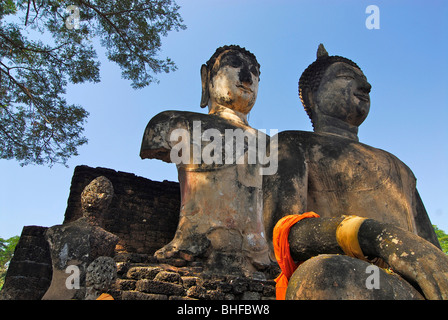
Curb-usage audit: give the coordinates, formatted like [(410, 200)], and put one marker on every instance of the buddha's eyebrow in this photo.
[(345, 70), (232, 60), (237, 59)]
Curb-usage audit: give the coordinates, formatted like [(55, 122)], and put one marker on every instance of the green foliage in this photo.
[(443, 239), (7, 7), (37, 125), (7, 248)]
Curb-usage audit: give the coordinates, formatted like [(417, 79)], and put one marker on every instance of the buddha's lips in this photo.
[(362, 97)]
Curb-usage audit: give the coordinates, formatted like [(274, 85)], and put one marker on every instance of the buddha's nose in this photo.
[(245, 76), (365, 86)]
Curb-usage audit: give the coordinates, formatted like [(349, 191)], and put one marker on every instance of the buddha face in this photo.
[(344, 94), (234, 82)]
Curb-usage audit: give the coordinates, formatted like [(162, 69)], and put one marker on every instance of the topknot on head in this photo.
[(321, 52)]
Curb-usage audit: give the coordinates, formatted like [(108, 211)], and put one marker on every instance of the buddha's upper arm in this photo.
[(161, 133)]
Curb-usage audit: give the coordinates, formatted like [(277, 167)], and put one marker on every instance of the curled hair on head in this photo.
[(209, 64), (312, 76)]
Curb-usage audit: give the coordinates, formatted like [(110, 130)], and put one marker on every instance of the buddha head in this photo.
[(230, 80), (334, 88), (96, 198)]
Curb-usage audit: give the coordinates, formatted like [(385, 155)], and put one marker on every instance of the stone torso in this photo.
[(221, 203), (345, 177)]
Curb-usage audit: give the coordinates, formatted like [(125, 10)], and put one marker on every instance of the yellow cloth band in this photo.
[(347, 236)]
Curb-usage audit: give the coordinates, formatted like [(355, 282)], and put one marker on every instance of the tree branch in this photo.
[(25, 90), (27, 12), (122, 36)]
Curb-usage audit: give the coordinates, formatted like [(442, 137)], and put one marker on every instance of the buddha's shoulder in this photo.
[(190, 120), (177, 115), (326, 142)]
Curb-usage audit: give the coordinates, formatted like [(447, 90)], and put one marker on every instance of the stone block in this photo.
[(196, 292), (190, 281), (126, 284), (250, 295), (138, 273), (135, 295), (29, 272), (166, 276), (159, 287)]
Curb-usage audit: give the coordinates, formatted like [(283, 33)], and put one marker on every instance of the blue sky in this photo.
[(405, 61)]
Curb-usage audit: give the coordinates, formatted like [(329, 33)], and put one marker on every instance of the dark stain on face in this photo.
[(245, 75), (237, 60)]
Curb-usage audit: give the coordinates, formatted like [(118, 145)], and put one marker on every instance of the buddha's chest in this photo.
[(355, 167)]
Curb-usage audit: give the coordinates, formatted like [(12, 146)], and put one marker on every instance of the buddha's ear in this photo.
[(310, 98), (204, 80), (311, 103)]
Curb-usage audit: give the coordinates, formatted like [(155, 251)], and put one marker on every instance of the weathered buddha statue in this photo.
[(366, 198), (329, 171), (220, 219), (75, 248)]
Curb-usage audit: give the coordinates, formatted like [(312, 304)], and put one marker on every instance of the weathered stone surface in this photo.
[(177, 262), (269, 291), (239, 285), (131, 266), (175, 286), (138, 273), (135, 295), (74, 246), (339, 277), (166, 276), (100, 276), (256, 286), (181, 298), (224, 287), (143, 213), (418, 261), (159, 287), (132, 257), (190, 281), (197, 292), (214, 295), (29, 272), (343, 177), (126, 284), (250, 295), (97, 196), (329, 171), (223, 228)]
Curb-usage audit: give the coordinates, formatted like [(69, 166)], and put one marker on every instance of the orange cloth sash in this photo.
[(105, 296), (282, 253)]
